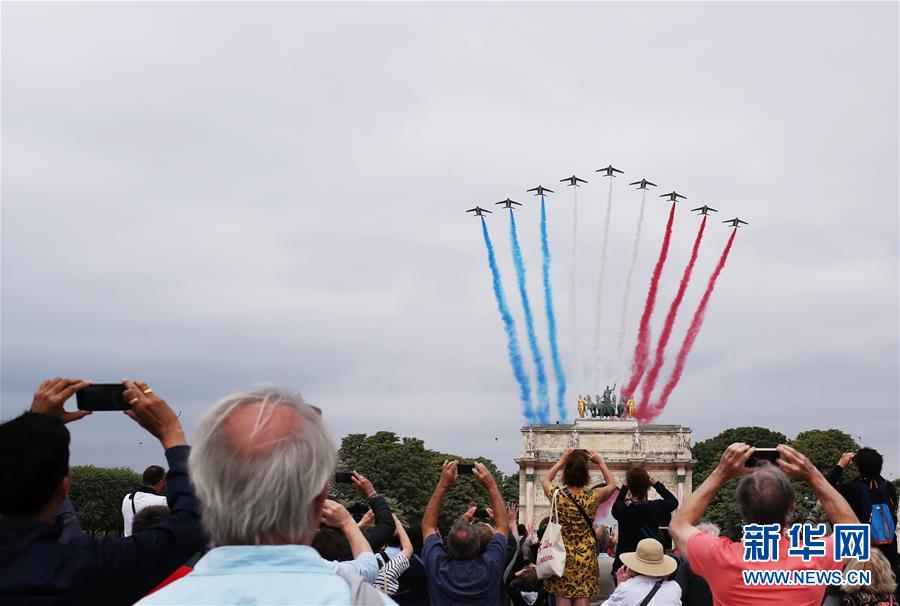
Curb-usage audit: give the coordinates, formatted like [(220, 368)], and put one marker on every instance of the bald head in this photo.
[(255, 429), (261, 464)]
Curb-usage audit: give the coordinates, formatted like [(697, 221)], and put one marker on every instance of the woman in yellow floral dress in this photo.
[(581, 577)]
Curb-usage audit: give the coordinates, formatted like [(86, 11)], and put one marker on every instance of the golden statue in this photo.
[(629, 408), (581, 406)]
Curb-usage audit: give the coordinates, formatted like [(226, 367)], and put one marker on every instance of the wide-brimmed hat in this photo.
[(649, 559)]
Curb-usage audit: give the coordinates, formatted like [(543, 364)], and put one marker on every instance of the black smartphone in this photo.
[(481, 514), (343, 477), (762, 454), (465, 469), (102, 396)]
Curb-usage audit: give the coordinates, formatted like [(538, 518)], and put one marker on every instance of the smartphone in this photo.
[(481, 514), (465, 469), (343, 477), (762, 454), (102, 396)]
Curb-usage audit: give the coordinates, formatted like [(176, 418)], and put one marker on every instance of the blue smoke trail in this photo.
[(543, 406), (512, 344), (551, 324)]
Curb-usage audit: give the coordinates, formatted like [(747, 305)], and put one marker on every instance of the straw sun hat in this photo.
[(649, 559)]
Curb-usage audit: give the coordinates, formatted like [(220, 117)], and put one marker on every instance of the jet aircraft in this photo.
[(573, 180), (642, 184), (608, 171), (508, 203), (673, 196), (735, 222), (704, 210), (479, 212), (540, 189)]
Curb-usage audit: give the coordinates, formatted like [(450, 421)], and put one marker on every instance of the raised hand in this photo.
[(367, 521), (448, 473), (483, 475), (51, 396), (733, 463), (153, 414), (795, 464), (363, 485), (846, 459), (335, 514)]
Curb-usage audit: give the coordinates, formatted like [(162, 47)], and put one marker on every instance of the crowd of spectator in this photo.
[(243, 516)]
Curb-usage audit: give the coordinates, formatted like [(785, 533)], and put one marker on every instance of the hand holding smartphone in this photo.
[(762, 454), (465, 469), (102, 397)]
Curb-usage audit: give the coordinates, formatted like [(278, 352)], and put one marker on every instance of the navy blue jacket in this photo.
[(36, 569)]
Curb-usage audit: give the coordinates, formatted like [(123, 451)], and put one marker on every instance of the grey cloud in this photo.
[(210, 195)]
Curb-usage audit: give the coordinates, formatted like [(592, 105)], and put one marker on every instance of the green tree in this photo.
[(407, 472), (825, 446), (97, 493), (722, 509), (510, 488)]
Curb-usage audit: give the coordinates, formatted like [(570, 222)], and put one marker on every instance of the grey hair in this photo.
[(463, 542), (602, 534), (269, 494), (709, 528), (765, 497)]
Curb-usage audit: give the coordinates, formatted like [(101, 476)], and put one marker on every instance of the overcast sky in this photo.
[(205, 196)]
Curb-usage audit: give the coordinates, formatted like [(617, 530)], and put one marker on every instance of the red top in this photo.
[(720, 562)]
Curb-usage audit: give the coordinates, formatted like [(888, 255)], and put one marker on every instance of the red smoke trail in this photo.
[(653, 374), (691, 336), (642, 348)]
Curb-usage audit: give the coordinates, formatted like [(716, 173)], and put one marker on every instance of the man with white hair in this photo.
[(261, 466)]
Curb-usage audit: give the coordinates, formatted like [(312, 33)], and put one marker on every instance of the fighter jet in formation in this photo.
[(541, 190), (673, 196), (642, 184), (573, 180), (479, 212), (704, 210), (735, 222), (508, 203), (609, 170)]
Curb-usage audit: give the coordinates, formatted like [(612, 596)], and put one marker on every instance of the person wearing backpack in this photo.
[(873, 498)]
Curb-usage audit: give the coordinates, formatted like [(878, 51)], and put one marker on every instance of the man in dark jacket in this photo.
[(34, 481), (870, 487)]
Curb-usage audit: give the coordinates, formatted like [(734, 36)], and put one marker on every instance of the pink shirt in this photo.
[(720, 561)]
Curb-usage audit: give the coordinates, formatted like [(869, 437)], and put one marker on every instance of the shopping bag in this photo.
[(551, 555)]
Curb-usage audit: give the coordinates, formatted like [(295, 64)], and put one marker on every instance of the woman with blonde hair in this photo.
[(576, 506), (880, 592)]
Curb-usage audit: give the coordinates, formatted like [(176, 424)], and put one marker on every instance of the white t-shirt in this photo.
[(635, 589), (141, 500)]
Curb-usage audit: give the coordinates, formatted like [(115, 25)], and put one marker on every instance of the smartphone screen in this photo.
[(343, 477), (481, 514), (762, 454), (100, 396), (465, 469)]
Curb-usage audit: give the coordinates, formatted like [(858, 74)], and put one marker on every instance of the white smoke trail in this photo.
[(573, 305), (598, 316), (634, 254)]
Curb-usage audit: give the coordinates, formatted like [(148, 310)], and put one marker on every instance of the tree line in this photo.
[(405, 472)]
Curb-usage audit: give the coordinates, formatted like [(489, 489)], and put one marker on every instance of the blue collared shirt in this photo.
[(259, 574)]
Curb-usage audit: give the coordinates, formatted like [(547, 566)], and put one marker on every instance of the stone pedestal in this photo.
[(663, 450)]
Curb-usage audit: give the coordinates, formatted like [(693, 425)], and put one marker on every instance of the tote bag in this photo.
[(551, 555)]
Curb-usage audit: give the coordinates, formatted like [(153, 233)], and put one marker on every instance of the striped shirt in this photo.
[(388, 579)]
